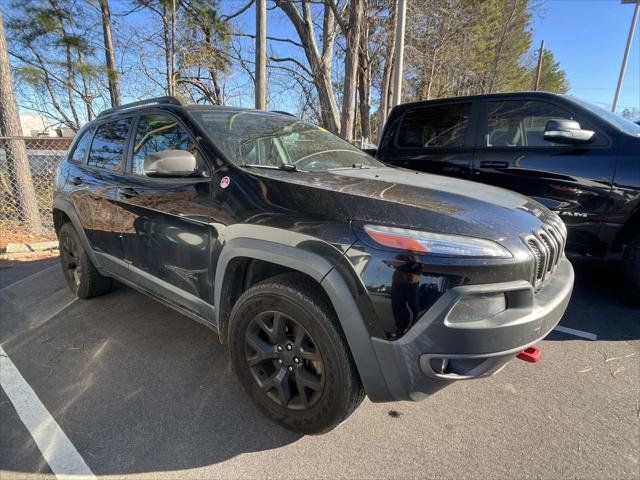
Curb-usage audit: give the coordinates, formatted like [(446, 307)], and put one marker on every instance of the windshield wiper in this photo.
[(284, 166)]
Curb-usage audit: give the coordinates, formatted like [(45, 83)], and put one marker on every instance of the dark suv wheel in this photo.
[(291, 357), (81, 276)]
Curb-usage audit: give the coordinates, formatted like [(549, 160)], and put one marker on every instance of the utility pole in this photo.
[(399, 51), (623, 68), (261, 55), (536, 83), (16, 150)]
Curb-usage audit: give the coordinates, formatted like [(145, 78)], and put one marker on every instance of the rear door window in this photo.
[(107, 148), (438, 126)]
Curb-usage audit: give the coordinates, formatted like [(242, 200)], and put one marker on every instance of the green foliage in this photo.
[(464, 47), (552, 77)]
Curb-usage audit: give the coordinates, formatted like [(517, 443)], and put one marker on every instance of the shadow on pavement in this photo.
[(600, 304), (139, 388), (135, 386)]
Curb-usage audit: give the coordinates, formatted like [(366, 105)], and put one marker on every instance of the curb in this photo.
[(31, 247)]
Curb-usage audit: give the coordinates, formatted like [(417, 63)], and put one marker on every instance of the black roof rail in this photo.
[(282, 112), (166, 99)]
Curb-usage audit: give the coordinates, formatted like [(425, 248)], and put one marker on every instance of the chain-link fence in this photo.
[(27, 168)]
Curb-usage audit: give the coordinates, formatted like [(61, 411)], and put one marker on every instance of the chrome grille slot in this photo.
[(547, 245), (551, 247), (539, 257)]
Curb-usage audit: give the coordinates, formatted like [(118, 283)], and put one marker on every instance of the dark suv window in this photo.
[(82, 147), (107, 148), (157, 132), (437, 126), (521, 123)]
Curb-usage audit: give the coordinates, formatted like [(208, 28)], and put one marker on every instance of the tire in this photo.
[(308, 385), (81, 275), (631, 268)]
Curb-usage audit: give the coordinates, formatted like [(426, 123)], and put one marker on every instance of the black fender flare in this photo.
[(322, 270), (67, 207)]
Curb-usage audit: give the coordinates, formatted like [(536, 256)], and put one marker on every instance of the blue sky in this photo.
[(588, 38)]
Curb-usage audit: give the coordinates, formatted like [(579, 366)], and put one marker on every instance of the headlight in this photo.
[(435, 243)]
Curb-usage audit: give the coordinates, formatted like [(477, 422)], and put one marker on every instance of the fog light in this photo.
[(473, 308)]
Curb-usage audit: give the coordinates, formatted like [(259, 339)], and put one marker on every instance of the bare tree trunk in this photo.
[(17, 159), (364, 81), (109, 54), (432, 73), (173, 47), (166, 38), (261, 55), (303, 23), (354, 32), (364, 93), (386, 73)]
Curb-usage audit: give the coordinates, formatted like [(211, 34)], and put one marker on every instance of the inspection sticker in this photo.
[(224, 183)]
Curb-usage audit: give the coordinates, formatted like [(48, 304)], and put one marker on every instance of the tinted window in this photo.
[(82, 147), (437, 126), (155, 133), (521, 123), (107, 148)]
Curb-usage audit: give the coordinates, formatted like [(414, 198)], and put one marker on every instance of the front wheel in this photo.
[(291, 356), (631, 267)]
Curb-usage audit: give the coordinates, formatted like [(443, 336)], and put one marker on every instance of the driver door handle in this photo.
[(493, 164)]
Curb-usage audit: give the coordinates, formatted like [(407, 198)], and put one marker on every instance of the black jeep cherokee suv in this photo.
[(327, 273), (577, 159)]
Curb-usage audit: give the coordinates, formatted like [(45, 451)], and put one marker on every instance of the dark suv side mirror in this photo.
[(567, 132), (170, 163)]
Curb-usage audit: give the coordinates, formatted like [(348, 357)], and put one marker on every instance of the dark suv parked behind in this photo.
[(573, 157), (327, 273)]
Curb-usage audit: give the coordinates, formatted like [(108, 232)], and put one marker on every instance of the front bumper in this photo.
[(435, 352)]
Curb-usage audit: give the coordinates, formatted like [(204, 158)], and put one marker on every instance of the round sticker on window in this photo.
[(224, 183)]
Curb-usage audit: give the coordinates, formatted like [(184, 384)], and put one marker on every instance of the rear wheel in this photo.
[(291, 357), (81, 275), (631, 267)]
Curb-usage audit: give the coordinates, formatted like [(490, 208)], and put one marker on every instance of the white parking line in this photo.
[(576, 333), (18, 282), (56, 448)]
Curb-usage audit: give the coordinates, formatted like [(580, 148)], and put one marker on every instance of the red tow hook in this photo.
[(531, 355)]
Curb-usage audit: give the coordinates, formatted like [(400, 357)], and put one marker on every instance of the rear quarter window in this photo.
[(81, 148)]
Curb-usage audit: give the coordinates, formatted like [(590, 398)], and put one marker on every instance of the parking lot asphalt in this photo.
[(141, 391)]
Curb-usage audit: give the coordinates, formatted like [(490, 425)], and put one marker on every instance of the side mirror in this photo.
[(170, 163), (567, 132)]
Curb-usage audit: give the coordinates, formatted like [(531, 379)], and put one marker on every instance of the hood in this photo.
[(406, 198)]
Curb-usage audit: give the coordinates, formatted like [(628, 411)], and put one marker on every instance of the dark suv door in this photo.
[(94, 186), (167, 241), (434, 138), (574, 180)]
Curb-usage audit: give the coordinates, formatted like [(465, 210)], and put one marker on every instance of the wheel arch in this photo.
[(228, 276), (628, 230), (64, 211)]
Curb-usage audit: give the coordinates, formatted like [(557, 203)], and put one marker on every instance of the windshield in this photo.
[(267, 140), (618, 121)]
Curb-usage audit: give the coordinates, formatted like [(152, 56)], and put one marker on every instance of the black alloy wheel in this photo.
[(291, 356), (81, 275), (70, 258), (284, 360)]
